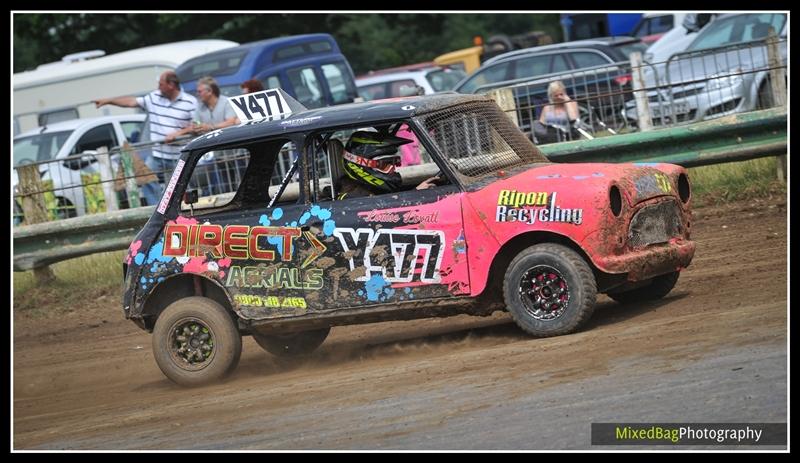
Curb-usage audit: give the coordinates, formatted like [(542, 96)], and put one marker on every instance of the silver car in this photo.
[(723, 71)]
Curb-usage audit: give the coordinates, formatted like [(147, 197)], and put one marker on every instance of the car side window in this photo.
[(95, 138), (560, 64), (132, 131), (306, 86), (412, 163), (490, 75), (532, 66), (372, 92), (405, 87), (337, 82), (587, 59)]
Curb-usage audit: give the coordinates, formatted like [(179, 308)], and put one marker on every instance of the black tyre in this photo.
[(659, 287), (549, 290), (195, 341), (293, 344)]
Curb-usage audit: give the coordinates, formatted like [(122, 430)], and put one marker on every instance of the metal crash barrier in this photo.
[(732, 138)]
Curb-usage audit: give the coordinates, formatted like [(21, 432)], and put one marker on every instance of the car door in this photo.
[(258, 248), (388, 248)]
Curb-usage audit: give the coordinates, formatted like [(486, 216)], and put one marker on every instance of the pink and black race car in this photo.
[(390, 210)]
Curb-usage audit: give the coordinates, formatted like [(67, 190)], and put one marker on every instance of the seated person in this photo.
[(368, 165)]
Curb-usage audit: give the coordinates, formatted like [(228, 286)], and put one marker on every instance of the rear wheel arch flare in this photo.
[(515, 245)]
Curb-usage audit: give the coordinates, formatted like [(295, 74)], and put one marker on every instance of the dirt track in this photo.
[(714, 350)]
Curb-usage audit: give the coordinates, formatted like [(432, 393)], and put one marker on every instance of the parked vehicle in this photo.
[(469, 59), (64, 90), (418, 79), (678, 38), (583, 26), (653, 26), (725, 70), (309, 67), (601, 91), (502, 229), (64, 143)]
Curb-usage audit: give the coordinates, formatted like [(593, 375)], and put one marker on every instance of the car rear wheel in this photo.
[(292, 344), (195, 341), (549, 290), (659, 287)]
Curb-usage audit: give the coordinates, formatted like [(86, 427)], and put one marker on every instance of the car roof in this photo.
[(365, 113), (74, 124), (589, 43), (388, 75)]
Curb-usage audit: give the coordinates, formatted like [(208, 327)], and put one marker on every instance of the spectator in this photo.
[(561, 111), (252, 86), (169, 109), (214, 111)]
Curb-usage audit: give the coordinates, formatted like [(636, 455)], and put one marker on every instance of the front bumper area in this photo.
[(651, 261)]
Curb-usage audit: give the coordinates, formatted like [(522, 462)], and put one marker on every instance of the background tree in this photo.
[(370, 41)]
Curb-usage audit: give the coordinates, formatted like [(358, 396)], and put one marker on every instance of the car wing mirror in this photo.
[(77, 163), (191, 197)]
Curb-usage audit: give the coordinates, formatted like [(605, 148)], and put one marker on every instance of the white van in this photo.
[(65, 89), (63, 139)]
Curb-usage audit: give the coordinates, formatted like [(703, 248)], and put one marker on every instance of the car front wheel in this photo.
[(195, 341), (549, 290)]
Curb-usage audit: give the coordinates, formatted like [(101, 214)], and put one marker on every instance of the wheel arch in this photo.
[(514, 246), (178, 287)]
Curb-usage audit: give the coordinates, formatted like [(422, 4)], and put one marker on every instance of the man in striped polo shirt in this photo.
[(169, 109)]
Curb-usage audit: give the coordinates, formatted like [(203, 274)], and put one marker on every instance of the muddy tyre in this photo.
[(292, 345), (659, 287), (196, 342), (549, 290)]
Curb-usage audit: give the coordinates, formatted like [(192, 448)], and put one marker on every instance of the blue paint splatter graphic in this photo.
[(304, 218), (139, 258), (264, 220), (328, 227), (378, 288), (157, 253), (277, 213)]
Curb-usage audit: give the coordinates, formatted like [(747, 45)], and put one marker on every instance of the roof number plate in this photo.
[(268, 104)]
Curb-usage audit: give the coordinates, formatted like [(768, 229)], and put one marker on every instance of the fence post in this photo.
[(777, 80), (504, 97), (639, 94), (107, 178), (34, 210), (131, 188)]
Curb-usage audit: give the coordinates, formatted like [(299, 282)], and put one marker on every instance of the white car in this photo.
[(50, 144), (407, 80)]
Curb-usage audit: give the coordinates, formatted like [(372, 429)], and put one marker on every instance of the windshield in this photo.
[(735, 29), (41, 147), (444, 79), (478, 139)]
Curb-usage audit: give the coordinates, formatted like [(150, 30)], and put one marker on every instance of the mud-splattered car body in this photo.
[(317, 262)]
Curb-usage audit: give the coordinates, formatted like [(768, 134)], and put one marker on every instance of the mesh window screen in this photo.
[(479, 139)]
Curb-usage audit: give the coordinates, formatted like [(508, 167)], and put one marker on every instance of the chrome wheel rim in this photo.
[(544, 292)]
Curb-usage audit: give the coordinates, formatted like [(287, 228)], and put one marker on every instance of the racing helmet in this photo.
[(370, 158)]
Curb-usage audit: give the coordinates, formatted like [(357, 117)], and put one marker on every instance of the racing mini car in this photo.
[(391, 210)]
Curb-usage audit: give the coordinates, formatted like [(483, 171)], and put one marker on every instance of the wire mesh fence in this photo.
[(689, 87)]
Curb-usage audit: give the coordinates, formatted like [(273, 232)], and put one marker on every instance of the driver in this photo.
[(369, 163)]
